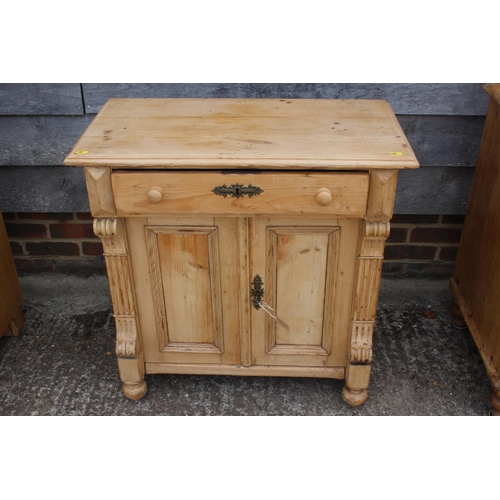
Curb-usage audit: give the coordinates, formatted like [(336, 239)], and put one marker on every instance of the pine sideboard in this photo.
[(11, 297), (243, 236), (475, 285)]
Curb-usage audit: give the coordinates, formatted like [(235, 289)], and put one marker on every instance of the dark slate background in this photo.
[(39, 124)]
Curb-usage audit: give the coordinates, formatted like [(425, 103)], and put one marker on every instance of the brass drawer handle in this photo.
[(237, 190)]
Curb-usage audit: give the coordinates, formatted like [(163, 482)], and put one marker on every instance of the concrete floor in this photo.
[(63, 363)]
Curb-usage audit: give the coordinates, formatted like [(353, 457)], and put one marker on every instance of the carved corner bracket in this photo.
[(374, 239), (361, 342), (126, 336), (112, 234), (105, 227)]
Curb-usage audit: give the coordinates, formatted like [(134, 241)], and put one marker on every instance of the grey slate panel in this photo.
[(428, 190), (436, 140), (41, 99), (43, 189), (444, 140), (433, 190), (405, 98), (39, 140)]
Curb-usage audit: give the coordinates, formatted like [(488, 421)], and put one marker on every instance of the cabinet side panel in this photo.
[(477, 269)]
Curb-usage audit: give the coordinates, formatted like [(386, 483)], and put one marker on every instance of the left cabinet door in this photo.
[(187, 287)]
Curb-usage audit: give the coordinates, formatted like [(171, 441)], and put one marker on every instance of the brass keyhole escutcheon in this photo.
[(257, 291), (237, 190)]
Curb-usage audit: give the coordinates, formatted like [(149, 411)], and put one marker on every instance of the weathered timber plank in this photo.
[(41, 99), (428, 190), (438, 190), (405, 98), (436, 140), (40, 140), (43, 189), (444, 140)]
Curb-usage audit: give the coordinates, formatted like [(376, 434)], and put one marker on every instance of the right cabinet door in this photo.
[(308, 269)]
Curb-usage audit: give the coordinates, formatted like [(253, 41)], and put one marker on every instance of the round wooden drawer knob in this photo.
[(324, 197), (155, 194)]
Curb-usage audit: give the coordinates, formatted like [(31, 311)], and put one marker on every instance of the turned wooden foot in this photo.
[(132, 376), (495, 402), (354, 397), (135, 391), (458, 318)]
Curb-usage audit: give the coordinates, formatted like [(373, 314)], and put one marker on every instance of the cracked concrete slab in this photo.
[(63, 363)]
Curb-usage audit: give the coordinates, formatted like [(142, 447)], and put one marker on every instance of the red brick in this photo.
[(72, 231), (409, 252), (415, 219), (16, 248), (397, 235), (8, 215), (92, 248), (46, 216), (52, 248), (26, 230), (435, 235), (448, 254), (453, 219), (84, 215)]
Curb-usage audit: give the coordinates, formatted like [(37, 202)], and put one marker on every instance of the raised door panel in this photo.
[(183, 264), (185, 290), (300, 264)]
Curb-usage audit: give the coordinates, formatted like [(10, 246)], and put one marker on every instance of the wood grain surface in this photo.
[(282, 193), (477, 268), (251, 133), (308, 270)]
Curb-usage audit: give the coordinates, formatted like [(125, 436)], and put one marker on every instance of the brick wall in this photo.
[(418, 244), (423, 244), (54, 242)]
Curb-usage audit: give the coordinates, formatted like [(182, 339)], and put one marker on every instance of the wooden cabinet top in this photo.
[(278, 134)]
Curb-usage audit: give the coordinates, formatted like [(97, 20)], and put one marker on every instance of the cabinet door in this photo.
[(308, 267), (186, 274)]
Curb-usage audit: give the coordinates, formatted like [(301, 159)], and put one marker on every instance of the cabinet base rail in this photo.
[(335, 372)]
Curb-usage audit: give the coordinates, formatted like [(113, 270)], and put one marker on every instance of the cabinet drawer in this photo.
[(202, 192)]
